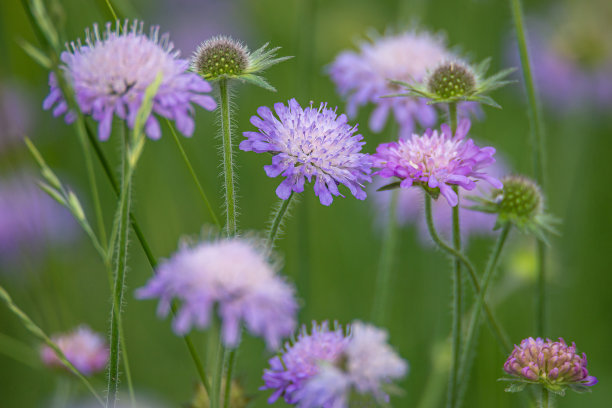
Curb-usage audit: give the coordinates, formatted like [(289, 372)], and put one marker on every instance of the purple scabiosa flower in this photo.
[(437, 160), (232, 275), (329, 367), (552, 364), (83, 348), (364, 77), (111, 72), (309, 143)]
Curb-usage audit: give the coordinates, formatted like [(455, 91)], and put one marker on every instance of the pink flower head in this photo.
[(437, 160), (83, 348)]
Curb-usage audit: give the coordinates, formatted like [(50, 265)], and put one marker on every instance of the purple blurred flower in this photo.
[(110, 74), (15, 117), (555, 365), (310, 143), (29, 219), (233, 275), (437, 161), (323, 368), (84, 348), (363, 77)]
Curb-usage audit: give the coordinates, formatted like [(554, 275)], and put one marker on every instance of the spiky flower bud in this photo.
[(452, 79), (222, 57), (553, 365)]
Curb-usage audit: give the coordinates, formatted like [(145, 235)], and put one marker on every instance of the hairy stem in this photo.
[(537, 133), (278, 219), (502, 338), (470, 339), (228, 164), (385, 264)]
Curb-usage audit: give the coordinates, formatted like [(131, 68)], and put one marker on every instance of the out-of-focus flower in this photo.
[(237, 399), (310, 143), (83, 348), (435, 161), (232, 275), (553, 365), (15, 118), (110, 74), (571, 56), (30, 221), (224, 57), (329, 367)]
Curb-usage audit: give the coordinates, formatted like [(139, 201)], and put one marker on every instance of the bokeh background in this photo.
[(331, 253)]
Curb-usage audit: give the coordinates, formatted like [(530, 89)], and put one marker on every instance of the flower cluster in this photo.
[(322, 368), (364, 77), (554, 365), (111, 72), (233, 275), (437, 160), (83, 348), (310, 143)]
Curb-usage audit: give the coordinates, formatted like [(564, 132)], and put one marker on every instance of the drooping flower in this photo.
[(436, 161), (554, 365), (83, 348), (111, 72), (328, 368), (364, 76), (310, 143), (232, 275), (224, 57)]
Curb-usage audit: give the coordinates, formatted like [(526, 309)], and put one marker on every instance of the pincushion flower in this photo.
[(554, 365), (83, 348), (322, 369), (364, 76), (110, 73), (310, 143), (437, 161), (232, 276)]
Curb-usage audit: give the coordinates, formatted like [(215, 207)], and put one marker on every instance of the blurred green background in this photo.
[(330, 252)]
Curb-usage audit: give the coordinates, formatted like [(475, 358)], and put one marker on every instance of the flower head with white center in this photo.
[(232, 274), (364, 77), (111, 72), (83, 348), (324, 368), (437, 160), (310, 143), (552, 364)]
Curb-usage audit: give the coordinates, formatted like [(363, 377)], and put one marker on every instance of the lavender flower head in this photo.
[(310, 143), (233, 275), (363, 77), (323, 368), (83, 348), (554, 365), (111, 72), (437, 160)]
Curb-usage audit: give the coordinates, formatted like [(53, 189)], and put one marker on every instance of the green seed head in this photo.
[(220, 57), (450, 80), (520, 197)]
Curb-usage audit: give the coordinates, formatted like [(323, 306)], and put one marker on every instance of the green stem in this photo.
[(277, 221), (456, 309), (545, 398), (452, 116), (193, 174), (537, 133), (496, 329), (470, 339), (215, 396), (228, 378), (228, 166), (120, 271), (383, 278)]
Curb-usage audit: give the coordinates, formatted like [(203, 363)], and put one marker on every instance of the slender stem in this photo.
[(385, 264), (456, 309), (228, 166), (193, 174), (277, 221), (545, 398), (496, 329), (228, 378), (452, 116), (215, 396), (196, 359), (470, 338), (120, 271), (539, 158)]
